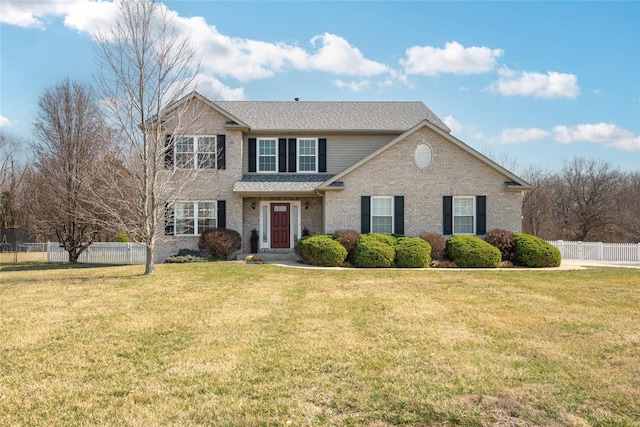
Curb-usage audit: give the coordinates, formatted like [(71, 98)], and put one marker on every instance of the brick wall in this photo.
[(207, 185), (452, 172)]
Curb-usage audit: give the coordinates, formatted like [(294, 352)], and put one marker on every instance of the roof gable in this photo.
[(514, 183)]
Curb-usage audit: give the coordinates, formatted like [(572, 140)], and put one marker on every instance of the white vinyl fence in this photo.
[(101, 253), (598, 251)]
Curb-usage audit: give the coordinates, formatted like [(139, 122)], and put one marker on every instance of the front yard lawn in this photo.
[(234, 344)]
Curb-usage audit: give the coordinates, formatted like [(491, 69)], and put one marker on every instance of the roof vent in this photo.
[(296, 99)]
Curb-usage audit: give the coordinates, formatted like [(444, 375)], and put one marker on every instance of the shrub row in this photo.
[(500, 249)]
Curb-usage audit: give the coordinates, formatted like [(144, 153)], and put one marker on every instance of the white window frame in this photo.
[(258, 155), (298, 155), (196, 151), (454, 216), (390, 198), (195, 218)]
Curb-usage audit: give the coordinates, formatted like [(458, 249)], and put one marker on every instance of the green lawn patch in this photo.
[(234, 344)]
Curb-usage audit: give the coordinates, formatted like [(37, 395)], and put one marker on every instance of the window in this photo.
[(463, 215), (196, 152), (382, 215), (207, 152), (193, 217), (307, 155), (267, 155), (184, 153)]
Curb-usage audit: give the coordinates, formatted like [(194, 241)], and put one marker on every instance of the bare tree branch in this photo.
[(144, 67)]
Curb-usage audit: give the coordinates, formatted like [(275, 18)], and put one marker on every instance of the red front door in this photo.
[(280, 231)]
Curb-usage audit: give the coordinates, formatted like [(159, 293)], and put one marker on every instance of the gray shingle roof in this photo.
[(338, 115), (276, 183)]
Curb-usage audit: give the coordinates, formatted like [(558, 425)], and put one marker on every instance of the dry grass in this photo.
[(235, 344)]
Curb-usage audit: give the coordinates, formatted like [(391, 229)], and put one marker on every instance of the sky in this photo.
[(531, 84)]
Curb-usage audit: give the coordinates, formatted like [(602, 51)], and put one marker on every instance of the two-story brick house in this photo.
[(282, 167)]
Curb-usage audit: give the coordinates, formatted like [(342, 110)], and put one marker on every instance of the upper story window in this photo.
[(267, 155), (463, 215), (382, 215), (307, 155), (196, 152)]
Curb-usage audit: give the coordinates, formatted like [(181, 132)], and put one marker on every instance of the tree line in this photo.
[(586, 200)]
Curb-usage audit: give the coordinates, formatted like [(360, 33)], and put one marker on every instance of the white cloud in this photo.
[(4, 122), (352, 86), (221, 55), (82, 15), (215, 90), (454, 59), (518, 135), (337, 56), (453, 124), (606, 134), (525, 83)]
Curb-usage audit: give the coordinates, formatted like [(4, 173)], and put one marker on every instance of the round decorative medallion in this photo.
[(422, 156)]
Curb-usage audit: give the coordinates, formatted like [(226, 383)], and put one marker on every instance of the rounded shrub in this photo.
[(472, 252), (219, 242), (531, 251), (373, 252), (503, 240), (387, 239), (413, 252), (321, 250), (438, 244)]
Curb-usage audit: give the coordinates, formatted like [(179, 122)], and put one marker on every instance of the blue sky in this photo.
[(535, 82)]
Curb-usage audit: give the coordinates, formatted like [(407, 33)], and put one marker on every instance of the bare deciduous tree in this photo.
[(11, 175), (537, 217), (586, 200), (144, 66), (72, 142), (584, 197)]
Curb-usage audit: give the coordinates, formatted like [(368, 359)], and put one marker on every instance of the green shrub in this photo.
[(531, 251), (122, 237), (413, 252), (438, 244), (219, 242), (181, 259), (192, 252), (387, 239), (348, 239), (472, 252), (373, 252), (322, 250), (503, 240)]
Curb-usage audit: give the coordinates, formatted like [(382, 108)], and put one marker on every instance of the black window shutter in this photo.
[(398, 213), (222, 214), (222, 151), (252, 154), (282, 155), (481, 214), (292, 154), (168, 152), (447, 215), (168, 219), (322, 155), (365, 214)]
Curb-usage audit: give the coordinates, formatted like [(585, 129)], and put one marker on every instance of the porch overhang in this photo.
[(278, 185)]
